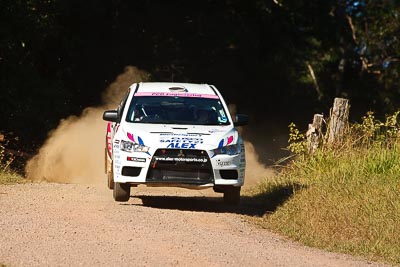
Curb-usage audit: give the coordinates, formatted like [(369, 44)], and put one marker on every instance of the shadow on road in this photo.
[(251, 205)]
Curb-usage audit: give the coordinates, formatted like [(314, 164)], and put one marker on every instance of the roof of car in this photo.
[(162, 87)]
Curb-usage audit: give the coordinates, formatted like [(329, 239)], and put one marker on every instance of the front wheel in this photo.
[(122, 192), (232, 195), (110, 180)]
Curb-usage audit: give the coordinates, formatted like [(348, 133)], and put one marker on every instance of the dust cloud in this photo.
[(74, 152), (255, 171)]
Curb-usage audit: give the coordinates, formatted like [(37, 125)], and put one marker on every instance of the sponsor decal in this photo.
[(137, 140), (132, 138), (180, 159), (182, 94), (221, 143), (108, 138), (215, 130), (225, 141), (223, 163), (181, 145), (230, 139), (222, 118), (136, 159), (180, 134), (181, 140)]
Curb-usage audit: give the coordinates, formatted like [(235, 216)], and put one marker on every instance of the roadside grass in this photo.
[(10, 177), (344, 198), (7, 175)]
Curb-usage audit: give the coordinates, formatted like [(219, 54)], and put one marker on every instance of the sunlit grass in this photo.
[(343, 199), (10, 177), (7, 175)]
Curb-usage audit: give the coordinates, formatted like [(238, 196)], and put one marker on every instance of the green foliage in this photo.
[(376, 48), (372, 131), (69, 51), (4, 160), (7, 175), (297, 140), (385, 162), (29, 24), (10, 177), (343, 198), (34, 95)]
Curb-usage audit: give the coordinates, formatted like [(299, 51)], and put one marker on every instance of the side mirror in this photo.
[(241, 120), (111, 115)]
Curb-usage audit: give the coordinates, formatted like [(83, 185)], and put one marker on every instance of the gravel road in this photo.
[(52, 224)]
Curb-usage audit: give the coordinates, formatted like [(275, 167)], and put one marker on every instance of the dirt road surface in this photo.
[(51, 224)]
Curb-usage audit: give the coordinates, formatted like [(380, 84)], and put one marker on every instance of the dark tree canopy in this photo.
[(278, 60)]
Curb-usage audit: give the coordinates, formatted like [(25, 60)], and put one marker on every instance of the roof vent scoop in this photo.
[(178, 89)]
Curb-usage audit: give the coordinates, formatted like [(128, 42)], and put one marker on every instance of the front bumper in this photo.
[(179, 167)]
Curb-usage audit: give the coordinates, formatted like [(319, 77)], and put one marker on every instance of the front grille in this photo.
[(229, 174), (186, 166), (131, 171)]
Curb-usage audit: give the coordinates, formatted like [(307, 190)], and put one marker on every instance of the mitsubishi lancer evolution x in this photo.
[(174, 134)]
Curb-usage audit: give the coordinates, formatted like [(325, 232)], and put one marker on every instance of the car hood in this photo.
[(179, 136)]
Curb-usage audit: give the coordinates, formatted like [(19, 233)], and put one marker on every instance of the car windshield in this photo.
[(177, 110)]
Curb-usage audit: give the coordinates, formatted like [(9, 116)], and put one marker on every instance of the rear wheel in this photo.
[(122, 192), (232, 195)]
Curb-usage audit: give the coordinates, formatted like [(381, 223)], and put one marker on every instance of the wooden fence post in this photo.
[(338, 120), (314, 133)]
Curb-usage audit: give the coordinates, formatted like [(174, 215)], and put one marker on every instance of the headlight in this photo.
[(129, 146), (228, 150)]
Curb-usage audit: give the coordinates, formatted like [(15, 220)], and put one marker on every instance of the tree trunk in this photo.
[(338, 120), (314, 133)]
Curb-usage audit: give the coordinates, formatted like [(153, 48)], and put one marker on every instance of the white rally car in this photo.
[(174, 134)]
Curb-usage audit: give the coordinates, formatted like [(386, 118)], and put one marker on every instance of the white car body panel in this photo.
[(182, 139)]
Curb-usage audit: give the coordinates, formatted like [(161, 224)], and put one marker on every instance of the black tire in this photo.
[(122, 192), (110, 180), (232, 195), (218, 189)]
